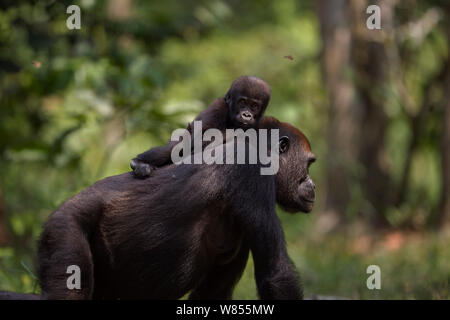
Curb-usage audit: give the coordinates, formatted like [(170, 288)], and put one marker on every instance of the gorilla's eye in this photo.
[(284, 144)]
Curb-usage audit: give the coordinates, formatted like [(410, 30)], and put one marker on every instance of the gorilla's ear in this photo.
[(228, 98), (284, 144)]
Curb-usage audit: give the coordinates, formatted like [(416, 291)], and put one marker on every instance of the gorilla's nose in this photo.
[(247, 116), (313, 185)]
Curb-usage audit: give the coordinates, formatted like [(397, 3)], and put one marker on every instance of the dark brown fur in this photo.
[(187, 228), (242, 107)]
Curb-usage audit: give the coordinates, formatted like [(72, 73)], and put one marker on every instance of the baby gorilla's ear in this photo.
[(228, 98)]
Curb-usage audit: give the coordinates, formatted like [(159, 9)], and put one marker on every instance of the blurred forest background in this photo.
[(77, 105)]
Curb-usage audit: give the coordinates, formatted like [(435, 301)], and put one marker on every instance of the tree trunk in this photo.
[(445, 200), (444, 214), (5, 235), (342, 126), (371, 76)]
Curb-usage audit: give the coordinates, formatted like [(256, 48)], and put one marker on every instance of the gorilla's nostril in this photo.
[(246, 115)]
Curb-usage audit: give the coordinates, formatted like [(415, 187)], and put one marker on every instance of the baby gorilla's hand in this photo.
[(140, 169)]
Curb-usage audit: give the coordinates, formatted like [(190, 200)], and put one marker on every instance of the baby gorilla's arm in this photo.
[(145, 162), (215, 116)]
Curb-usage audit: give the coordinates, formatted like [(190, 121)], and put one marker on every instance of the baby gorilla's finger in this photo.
[(133, 163), (142, 170)]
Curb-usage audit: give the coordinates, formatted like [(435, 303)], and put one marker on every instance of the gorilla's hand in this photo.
[(141, 169)]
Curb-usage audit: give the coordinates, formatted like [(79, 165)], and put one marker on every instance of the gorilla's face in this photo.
[(247, 100), (295, 188)]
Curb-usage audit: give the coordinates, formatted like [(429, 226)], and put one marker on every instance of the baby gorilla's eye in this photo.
[(254, 108)]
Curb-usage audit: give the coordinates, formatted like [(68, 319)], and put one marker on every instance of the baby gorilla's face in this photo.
[(247, 100), (247, 112)]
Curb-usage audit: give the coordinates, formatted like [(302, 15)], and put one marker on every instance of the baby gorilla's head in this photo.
[(247, 100)]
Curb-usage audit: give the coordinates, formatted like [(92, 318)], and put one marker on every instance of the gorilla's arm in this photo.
[(275, 274), (155, 157), (254, 208)]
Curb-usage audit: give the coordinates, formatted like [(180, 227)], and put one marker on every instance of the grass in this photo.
[(413, 266)]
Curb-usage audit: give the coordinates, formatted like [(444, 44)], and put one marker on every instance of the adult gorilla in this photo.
[(186, 228)]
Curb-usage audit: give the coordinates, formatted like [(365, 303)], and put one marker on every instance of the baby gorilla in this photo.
[(242, 107)]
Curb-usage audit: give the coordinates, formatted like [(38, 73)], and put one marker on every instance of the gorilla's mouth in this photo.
[(303, 204), (245, 124), (308, 204), (307, 200)]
